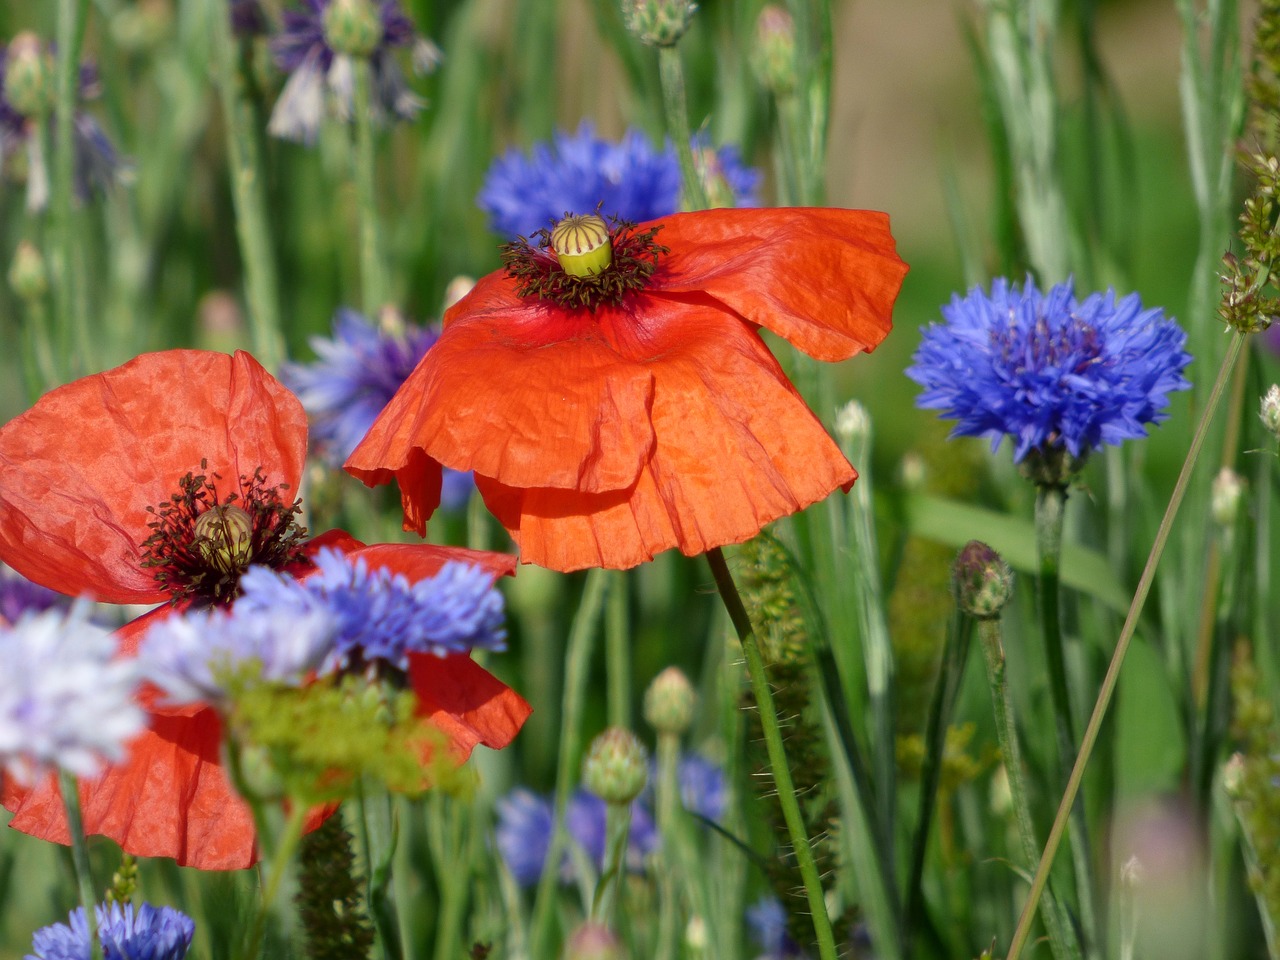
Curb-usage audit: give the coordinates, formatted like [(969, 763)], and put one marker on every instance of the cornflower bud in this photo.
[(658, 23), (983, 581), (669, 702), (774, 57), (594, 941), (852, 423), (617, 766), (353, 27), (1270, 412), (28, 76), (27, 275)]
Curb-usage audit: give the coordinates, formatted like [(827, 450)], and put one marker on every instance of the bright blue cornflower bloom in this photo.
[(354, 376), (523, 833), (381, 616), (575, 173), (1049, 371), (144, 933), (193, 656), (318, 74)]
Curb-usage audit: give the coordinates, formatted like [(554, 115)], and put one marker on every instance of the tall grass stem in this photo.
[(80, 858)]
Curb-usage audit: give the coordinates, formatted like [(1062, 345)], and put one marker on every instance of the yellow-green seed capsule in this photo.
[(774, 56), (582, 245), (224, 537)]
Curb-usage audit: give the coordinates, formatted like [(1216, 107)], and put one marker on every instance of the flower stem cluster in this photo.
[(539, 273)]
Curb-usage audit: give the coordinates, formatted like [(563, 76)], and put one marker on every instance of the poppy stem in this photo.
[(671, 74), (1122, 646), (617, 639), (777, 753), (372, 276), (247, 184), (80, 857)]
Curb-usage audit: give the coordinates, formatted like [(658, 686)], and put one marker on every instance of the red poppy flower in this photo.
[(98, 483), (612, 417)]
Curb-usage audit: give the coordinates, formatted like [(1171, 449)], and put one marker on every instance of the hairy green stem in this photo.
[(777, 754), (248, 195), (80, 857), (576, 668), (373, 280), (278, 867), (1122, 647), (671, 73), (1011, 752)]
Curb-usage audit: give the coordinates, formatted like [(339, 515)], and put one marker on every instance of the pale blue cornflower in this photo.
[(320, 76), (194, 656), (381, 616), (767, 924), (126, 933), (1047, 371), (576, 173), (65, 703)]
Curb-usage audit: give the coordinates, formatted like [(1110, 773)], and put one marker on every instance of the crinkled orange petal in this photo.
[(736, 449), (171, 796), (823, 278), (81, 467), (518, 390)]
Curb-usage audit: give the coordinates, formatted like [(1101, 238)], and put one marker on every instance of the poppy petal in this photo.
[(83, 465), (824, 279), (468, 703), (170, 798), (736, 449), (481, 401)]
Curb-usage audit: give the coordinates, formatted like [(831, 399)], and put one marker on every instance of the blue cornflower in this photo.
[(65, 701), (767, 924), (145, 933), (523, 833), (1049, 372), (18, 595), (702, 787), (26, 89), (575, 173), (318, 71), (193, 656), (355, 375), (381, 616)]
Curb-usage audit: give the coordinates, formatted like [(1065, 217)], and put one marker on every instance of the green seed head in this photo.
[(1270, 411), (658, 23), (774, 56), (27, 275)]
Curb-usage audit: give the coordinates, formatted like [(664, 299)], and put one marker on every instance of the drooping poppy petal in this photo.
[(824, 279), (617, 425), (82, 466)]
